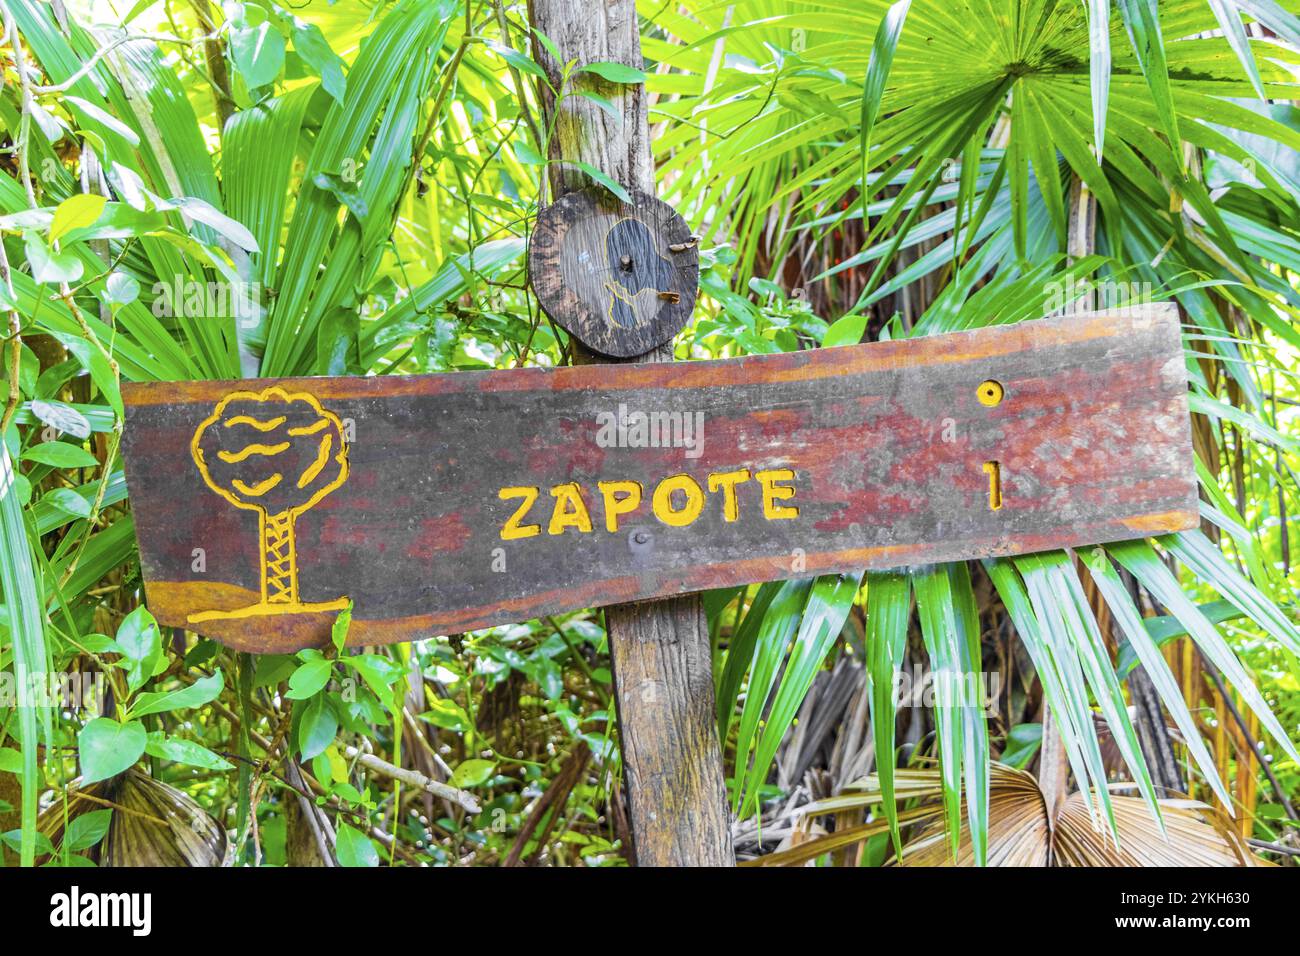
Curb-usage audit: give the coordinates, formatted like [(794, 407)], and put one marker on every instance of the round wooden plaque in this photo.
[(620, 278)]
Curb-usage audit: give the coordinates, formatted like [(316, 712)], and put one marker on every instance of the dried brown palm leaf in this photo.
[(810, 850), (153, 823), (1198, 835), (1020, 833)]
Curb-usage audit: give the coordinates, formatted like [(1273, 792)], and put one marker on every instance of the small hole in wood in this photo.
[(990, 393)]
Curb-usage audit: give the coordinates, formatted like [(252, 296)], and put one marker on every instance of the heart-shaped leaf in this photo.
[(107, 748)]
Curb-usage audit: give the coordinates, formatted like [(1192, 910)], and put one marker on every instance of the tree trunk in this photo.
[(660, 650), (306, 841), (279, 560)]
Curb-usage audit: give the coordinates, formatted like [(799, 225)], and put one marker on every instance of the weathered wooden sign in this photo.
[(443, 503), (621, 277)]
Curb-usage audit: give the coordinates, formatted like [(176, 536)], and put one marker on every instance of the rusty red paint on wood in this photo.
[(886, 444)]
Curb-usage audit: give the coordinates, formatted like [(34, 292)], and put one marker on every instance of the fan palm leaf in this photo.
[(1021, 832)]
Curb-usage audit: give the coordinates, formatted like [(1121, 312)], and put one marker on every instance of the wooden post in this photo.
[(660, 650)]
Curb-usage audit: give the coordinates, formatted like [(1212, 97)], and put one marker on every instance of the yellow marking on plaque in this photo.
[(990, 393), (234, 457), (619, 292), (257, 490), (279, 552), (614, 506), (773, 493), (322, 457), (308, 429), (727, 481), (513, 530), (662, 502), (260, 610), (677, 501), (570, 509), (994, 471), (257, 423)]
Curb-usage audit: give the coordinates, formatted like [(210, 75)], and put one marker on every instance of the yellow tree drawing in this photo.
[(276, 453)]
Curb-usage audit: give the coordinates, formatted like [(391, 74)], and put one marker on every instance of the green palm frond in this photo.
[(26, 645)]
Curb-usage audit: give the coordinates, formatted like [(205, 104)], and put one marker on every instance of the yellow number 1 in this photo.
[(994, 471)]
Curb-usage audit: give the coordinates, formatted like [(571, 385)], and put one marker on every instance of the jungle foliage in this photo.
[(190, 191)]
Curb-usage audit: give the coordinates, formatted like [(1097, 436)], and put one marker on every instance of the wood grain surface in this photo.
[(620, 277), (818, 461), (660, 650)]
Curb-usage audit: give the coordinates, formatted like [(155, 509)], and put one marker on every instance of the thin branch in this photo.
[(105, 50), (518, 80), (413, 778), (1273, 847)]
